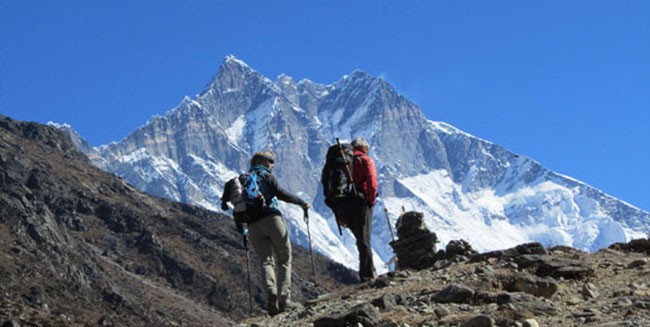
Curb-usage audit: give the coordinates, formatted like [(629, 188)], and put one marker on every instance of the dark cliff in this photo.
[(79, 246)]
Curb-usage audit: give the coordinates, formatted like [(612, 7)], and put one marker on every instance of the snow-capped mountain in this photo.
[(467, 187)]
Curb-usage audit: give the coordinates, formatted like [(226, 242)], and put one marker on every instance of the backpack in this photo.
[(233, 193), (252, 195), (337, 185)]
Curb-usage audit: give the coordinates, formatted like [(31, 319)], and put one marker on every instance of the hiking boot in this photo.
[(272, 305), (371, 278), (285, 304), (368, 279)]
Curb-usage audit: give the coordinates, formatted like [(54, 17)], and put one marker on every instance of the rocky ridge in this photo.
[(527, 285), (81, 247)]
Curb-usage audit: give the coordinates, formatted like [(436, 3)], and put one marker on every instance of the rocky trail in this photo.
[(523, 286)]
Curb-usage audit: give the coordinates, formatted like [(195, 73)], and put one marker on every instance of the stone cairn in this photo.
[(416, 246)]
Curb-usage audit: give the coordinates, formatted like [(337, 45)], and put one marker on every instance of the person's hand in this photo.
[(224, 205), (340, 221), (306, 206), (242, 228)]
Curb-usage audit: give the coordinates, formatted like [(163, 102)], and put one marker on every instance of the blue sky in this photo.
[(566, 83)]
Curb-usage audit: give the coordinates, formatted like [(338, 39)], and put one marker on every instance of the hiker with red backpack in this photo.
[(262, 221), (350, 186)]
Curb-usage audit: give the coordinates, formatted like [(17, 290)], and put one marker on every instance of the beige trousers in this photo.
[(270, 240)]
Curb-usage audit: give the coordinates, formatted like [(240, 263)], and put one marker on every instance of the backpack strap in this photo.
[(263, 182)]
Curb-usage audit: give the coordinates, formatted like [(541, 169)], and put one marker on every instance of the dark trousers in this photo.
[(358, 218)]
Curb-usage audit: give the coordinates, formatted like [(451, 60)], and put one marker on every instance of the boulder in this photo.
[(365, 314), (454, 293)]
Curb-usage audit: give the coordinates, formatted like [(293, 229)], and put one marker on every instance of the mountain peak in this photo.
[(232, 74), (356, 75), (232, 64), (283, 78), (231, 60), (359, 78)]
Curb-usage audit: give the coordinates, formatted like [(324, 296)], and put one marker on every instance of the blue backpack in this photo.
[(253, 196)]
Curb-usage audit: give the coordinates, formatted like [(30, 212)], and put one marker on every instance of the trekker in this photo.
[(270, 237), (357, 213)]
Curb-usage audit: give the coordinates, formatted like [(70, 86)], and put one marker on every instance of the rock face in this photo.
[(79, 246), (508, 289)]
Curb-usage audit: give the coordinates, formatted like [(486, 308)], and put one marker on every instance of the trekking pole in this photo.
[(248, 273), (338, 224), (392, 236), (390, 227), (311, 253)]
